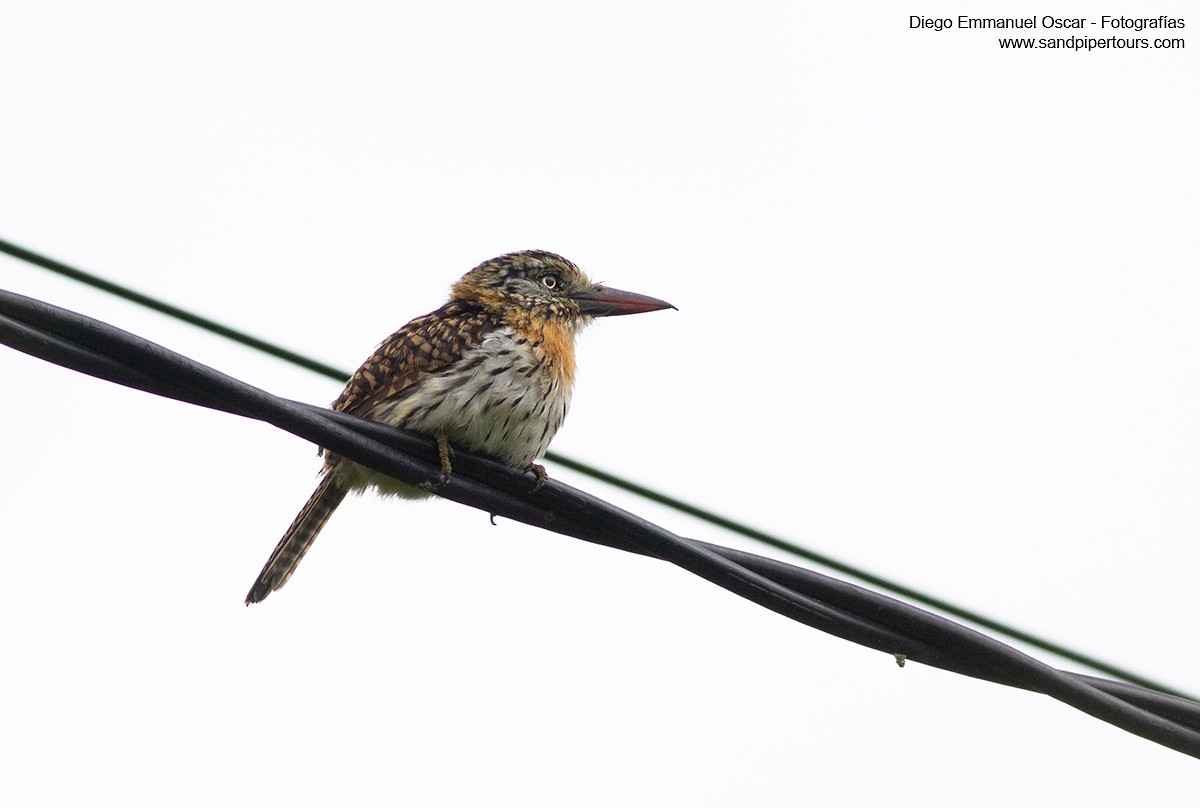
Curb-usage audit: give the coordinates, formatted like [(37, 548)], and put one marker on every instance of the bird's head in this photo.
[(539, 284)]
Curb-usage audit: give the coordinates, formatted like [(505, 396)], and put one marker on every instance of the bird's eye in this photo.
[(550, 281)]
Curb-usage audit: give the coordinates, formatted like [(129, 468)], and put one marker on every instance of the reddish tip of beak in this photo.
[(603, 301)]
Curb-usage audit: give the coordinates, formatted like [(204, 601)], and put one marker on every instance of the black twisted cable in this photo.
[(791, 547), (833, 606)]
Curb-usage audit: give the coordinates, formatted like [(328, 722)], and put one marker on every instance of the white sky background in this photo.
[(937, 317)]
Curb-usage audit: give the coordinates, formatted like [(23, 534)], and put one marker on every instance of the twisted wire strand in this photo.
[(827, 604), (724, 522)]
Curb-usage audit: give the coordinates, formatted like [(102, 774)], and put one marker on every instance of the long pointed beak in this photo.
[(603, 301)]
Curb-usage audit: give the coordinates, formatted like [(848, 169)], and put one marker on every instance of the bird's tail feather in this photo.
[(299, 537)]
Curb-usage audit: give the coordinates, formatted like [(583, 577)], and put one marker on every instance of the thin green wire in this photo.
[(186, 316), (611, 479)]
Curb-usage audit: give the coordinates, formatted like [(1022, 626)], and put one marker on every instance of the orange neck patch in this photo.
[(556, 339)]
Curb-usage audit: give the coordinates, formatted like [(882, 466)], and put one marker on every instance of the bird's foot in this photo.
[(539, 471), (444, 455)]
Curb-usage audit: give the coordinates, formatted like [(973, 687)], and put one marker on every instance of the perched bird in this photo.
[(491, 372)]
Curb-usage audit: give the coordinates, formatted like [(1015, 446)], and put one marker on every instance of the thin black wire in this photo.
[(830, 605), (711, 517)]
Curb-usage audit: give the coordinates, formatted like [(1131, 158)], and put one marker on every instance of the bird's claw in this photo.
[(539, 471), (445, 452), (436, 484)]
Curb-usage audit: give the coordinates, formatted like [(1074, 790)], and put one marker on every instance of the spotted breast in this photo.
[(506, 397)]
